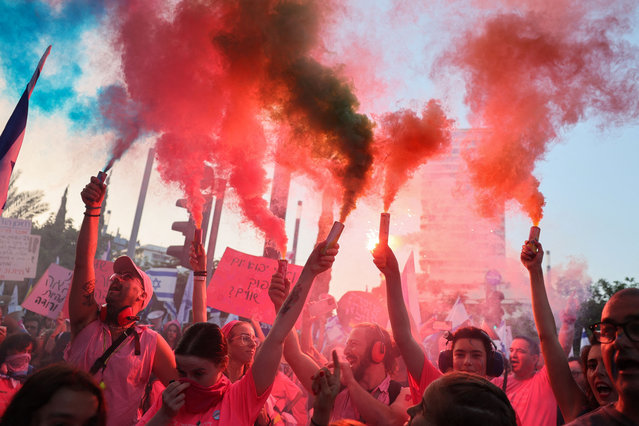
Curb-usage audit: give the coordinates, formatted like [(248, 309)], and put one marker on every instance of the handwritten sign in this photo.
[(359, 306), (50, 292), (103, 271), (240, 285), (18, 249)]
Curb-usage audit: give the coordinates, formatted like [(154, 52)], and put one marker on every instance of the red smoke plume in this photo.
[(407, 140), (206, 75), (528, 78)]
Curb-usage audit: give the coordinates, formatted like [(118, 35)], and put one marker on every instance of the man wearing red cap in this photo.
[(106, 340)]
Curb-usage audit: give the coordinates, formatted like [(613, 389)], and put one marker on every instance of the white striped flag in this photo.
[(458, 315), (163, 281), (187, 301), (13, 134), (170, 309)]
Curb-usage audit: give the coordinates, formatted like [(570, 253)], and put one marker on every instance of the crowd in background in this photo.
[(103, 366)]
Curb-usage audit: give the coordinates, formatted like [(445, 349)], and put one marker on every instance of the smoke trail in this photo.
[(122, 115), (186, 93), (526, 80), (316, 98), (407, 141)]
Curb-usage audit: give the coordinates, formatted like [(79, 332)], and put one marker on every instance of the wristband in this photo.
[(199, 278), (92, 207), (200, 273), (91, 215)]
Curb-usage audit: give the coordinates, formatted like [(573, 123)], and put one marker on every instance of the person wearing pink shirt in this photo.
[(369, 393), (472, 349), (135, 351), (204, 396)]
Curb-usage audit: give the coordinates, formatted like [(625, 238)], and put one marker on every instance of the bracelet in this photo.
[(91, 215), (199, 278), (200, 273), (92, 208)]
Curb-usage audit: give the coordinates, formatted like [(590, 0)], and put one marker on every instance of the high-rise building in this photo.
[(459, 249)]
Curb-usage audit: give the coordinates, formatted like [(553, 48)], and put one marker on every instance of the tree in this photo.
[(58, 239), (23, 204)]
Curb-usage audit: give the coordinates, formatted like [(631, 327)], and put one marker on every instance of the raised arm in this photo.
[(302, 364), (82, 306), (569, 396), (409, 348), (198, 263), (268, 357)]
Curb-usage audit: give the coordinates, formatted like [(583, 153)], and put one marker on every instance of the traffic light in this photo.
[(188, 230)]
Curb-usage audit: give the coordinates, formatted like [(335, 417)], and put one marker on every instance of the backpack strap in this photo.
[(100, 363)]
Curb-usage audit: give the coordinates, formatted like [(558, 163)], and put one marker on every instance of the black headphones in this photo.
[(494, 358)]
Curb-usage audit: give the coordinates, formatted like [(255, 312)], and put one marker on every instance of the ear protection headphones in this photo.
[(378, 348), (125, 316), (494, 358)]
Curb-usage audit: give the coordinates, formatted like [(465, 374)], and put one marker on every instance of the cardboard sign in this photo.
[(359, 306), (240, 285), (103, 271), (50, 292), (18, 249)]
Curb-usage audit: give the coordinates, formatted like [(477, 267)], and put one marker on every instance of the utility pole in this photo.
[(215, 225), (138, 211)]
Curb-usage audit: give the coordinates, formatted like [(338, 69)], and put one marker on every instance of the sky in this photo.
[(394, 55)]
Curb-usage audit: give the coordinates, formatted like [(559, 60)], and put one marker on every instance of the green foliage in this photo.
[(23, 204), (56, 242), (590, 309)]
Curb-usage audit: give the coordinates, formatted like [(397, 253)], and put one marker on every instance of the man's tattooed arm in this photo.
[(88, 293)]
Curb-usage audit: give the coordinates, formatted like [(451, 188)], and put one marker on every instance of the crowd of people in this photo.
[(103, 367)]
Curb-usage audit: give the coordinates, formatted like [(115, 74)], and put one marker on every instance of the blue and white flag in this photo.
[(584, 339), (458, 315), (13, 134), (187, 301), (170, 310), (163, 281)]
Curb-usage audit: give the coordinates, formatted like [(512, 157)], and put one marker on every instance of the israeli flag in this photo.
[(163, 280)]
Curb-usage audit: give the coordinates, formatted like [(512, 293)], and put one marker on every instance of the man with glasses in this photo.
[(106, 341), (618, 333)]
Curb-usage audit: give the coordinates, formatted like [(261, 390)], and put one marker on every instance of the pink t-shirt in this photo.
[(429, 374), (285, 391), (344, 408), (240, 406), (532, 399), (125, 375)]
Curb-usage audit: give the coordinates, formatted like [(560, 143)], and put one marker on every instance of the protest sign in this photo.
[(103, 271), (18, 249), (240, 285), (50, 292), (359, 306)]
